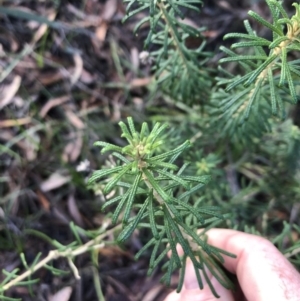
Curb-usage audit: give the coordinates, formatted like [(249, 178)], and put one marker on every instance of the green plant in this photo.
[(70, 252), (242, 121), (149, 181), (269, 74), (242, 105), (179, 69)]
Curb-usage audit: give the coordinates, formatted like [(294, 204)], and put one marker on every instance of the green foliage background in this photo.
[(237, 108)]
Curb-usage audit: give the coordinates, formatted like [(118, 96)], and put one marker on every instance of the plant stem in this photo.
[(69, 253)]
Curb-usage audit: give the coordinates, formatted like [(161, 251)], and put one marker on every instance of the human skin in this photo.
[(263, 273)]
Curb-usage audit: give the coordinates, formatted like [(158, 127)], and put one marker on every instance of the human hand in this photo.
[(263, 273)]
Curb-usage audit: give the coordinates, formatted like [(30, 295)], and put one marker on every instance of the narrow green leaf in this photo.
[(155, 134), (272, 92), (191, 191), (134, 12), (55, 271), (131, 124), (253, 96), (152, 217), (125, 132), (120, 207), (9, 275), (151, 242), (192, 210), (199, 179), (112, 183), (197, 239), (122, 158), (165, 164), (155, 185), (277, 42), (182, 274), (260, 69), (172, 242), (206, 277), (177, 150), (111, 202), (161, 256), (264, 22), (245, 36), (249, 44), (237, 58), (154, 252), (140, 23), (173, 177), (98, 174), (171, 265), (128, 230), (108, 147), (144, 130), (131, 197), (183, 242)]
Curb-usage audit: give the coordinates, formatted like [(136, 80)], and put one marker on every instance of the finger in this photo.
[(263, 272), (173, 297)]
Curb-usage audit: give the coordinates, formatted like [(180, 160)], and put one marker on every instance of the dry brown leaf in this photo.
[(14, 122), (135, 59), (86, 77), (92, 21), (26, 63), (2, 54), (295, 236), (75, 120), (2, 214), (43, 28), (11, 40), (10, 91), (153, 293), (74, 211), (75, 11), (18, 101), (56, 180), (109, 10), (29, 145), (100, 31), (78, 68), (51, 78), (88, 19), (43, 200), (113, 252), (60, 215), (73, 149), (63, 295), (139, 103), (211, 33), (225, 5), (53, 103), (140, 82)]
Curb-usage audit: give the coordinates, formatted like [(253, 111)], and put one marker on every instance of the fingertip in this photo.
[(173, 297)]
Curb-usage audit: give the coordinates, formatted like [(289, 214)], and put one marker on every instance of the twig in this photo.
[(55, 254)]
